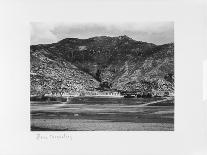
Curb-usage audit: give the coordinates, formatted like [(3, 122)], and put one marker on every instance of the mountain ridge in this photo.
[(124, 63)]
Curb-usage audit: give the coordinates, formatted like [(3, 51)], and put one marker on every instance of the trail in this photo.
[(153, 102)]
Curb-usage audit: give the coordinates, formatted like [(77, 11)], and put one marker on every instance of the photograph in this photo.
[(88, 77), (102, 76)]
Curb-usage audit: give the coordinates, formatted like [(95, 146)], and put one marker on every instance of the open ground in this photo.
[(104, 114)]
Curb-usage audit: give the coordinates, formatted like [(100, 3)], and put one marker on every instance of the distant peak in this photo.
[(124, 37), (100, 37), (68, 40)]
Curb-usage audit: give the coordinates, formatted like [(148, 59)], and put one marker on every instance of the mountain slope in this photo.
[(82, 64), (49, 76)]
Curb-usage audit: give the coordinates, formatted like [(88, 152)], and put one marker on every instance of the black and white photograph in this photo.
[(102, 76)]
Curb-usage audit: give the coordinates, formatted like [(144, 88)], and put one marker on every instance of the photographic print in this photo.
[(102, 77)]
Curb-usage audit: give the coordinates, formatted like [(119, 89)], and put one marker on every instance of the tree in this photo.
[(105, 85)]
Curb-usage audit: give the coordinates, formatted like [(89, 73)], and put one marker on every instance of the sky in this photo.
[(153, 32)]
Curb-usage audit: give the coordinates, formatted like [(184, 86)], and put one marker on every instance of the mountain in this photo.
[(73, 65)]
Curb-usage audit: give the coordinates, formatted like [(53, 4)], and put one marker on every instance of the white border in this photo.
[(189, 136)]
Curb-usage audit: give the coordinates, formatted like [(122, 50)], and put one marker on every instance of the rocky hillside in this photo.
[(74, 65)]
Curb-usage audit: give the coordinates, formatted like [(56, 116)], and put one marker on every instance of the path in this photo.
[(153, 102)]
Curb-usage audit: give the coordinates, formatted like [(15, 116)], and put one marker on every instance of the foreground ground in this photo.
[(104, 114)]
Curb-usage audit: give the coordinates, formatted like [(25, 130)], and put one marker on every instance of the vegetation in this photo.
[(75, 65), (47, 98)]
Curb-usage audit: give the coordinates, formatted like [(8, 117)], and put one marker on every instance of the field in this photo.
[(104, 114)]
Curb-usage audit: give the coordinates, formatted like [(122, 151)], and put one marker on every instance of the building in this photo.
[(102, 93)]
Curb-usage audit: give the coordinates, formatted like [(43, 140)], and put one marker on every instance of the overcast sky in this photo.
[(153, 32)]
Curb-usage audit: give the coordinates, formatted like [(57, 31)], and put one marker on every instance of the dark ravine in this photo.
[(73, 65)]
